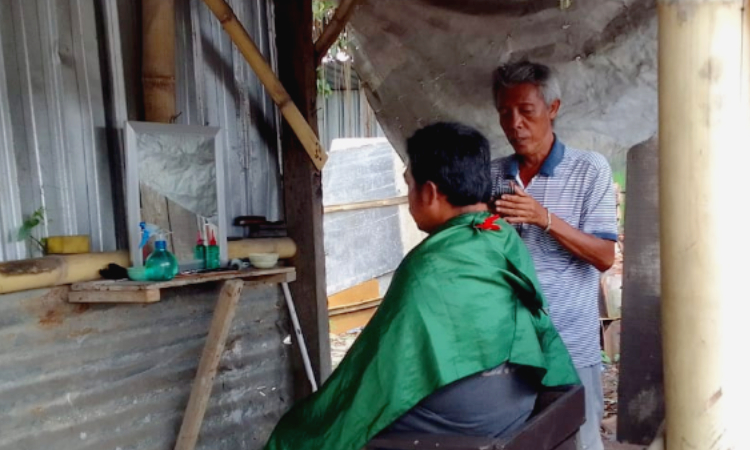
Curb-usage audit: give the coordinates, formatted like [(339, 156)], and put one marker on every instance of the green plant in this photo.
[(605, 358), (323, 11), (324, 88), (29, 224)]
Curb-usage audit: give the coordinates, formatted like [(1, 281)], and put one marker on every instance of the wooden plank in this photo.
[(362, 292), (367, 205), (141, 296), (154, 210), (270, 280), (346, 322), (641, 388), (184, 227), (215, 343), (303, 207), (154, 295), (124, 285), (347, 309)]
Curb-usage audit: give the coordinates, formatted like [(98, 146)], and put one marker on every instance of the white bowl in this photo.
[(263, 260)]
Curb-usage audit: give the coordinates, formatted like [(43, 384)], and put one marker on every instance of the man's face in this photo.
[(525, 118)]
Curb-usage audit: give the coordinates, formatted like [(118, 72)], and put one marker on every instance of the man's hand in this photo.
[(521, 208)]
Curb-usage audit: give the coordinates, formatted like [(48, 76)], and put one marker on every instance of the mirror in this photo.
[(175, 181)]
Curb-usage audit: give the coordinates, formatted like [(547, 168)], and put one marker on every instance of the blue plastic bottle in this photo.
[(161, 265)]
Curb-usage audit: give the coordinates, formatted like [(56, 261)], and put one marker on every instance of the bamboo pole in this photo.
[(284, 247), (52, 271), (60, 270), (702, 144), (265, 74), (159, 68), (334, 28)]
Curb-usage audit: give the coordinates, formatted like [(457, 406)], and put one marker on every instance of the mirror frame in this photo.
[(133, 190)]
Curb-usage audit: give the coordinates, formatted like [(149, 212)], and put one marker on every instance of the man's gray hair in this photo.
[(522, 72)]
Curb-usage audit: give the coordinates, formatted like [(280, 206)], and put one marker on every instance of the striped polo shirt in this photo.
[(577, 187)]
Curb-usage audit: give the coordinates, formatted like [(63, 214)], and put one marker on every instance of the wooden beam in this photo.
[(302, 189), (334, 28), (366, 205), (209, 364), (298, 121)]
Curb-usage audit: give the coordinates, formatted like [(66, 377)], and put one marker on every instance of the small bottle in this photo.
[(213, 260), (199, 254), (161, 265)]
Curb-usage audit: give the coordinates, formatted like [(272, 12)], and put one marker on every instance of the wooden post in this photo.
[(302, 187), (703, 148), (209, 364)]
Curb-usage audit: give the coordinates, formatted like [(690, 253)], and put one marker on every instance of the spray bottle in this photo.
[(161, 265)]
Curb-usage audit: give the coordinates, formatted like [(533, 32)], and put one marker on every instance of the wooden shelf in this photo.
[(126, 291)]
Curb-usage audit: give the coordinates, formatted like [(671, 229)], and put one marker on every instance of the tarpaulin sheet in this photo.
[(422, 61)]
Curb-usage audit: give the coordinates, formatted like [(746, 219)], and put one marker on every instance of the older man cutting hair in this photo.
[(462, 342), (563, 206)]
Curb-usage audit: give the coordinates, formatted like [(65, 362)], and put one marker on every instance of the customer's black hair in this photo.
[(456, 158)]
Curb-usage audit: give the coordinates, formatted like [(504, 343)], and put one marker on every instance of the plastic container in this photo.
[(213, 258), (199, 253), (161, 265), (137, 274), (263, 260)]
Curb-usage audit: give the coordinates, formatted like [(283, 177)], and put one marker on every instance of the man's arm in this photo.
[(523, 208), (598, 252)]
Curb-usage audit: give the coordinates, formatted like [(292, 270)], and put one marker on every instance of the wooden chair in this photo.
[(553, 425)]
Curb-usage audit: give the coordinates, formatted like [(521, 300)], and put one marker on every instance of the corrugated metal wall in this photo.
[(346, 114), (344, 111), (74, 377), (53, 148), (53, 142), (118, 377), (216, 87)]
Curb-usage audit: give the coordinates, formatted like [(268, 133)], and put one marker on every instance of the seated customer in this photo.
[(462, 341)]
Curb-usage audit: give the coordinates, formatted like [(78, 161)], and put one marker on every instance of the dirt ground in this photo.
[(340, 344)]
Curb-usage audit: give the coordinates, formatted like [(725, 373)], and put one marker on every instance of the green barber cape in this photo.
[(464, 301)]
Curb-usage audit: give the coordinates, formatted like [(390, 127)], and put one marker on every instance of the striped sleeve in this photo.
[(599, 212)]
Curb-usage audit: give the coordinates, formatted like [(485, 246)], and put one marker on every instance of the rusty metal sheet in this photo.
[(79, 377)]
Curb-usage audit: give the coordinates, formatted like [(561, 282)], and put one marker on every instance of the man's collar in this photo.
[(553, 160)]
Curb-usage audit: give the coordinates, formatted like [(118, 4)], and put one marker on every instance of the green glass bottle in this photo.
[(161, 265)]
